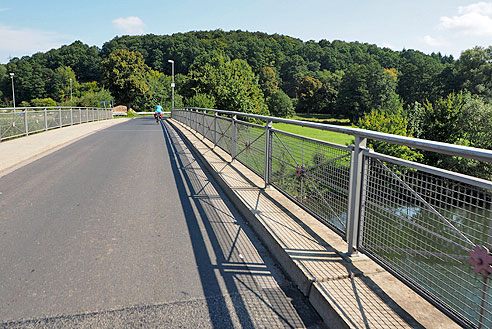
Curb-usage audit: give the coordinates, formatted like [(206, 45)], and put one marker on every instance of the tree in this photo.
[(268, 81), (125, 75), (391, 123), (308, 95), (202, 101), (475, 71), (59, 88), (367, 87), (232, 84), (280, 104), (419, 77)]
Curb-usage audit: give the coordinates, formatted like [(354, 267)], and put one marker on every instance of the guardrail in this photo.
[(428, 226), (28, 120)]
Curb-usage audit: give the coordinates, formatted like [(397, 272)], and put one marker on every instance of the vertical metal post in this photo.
[(60, 117), (80, 115), (268, 153), (26, 124), (87, 114), (71, 116), (45, 119), (354, 197), (215, 129), (203, 124), (233, 137)]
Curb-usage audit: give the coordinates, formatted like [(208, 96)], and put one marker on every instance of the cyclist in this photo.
[(158, 114)]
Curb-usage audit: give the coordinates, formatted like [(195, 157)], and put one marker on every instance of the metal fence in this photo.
[(430, 227), (24, 121)]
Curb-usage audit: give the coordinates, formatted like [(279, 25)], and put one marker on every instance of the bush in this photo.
[(280, 105), (43, 102)]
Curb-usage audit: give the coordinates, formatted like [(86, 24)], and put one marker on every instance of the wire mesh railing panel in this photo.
[(53, 119), (209, 127), (35, 121), (83, 115), (12, 125), (250, 147), (423, 226), (313, 173), (76, 116), (224, 134), (66, 117)]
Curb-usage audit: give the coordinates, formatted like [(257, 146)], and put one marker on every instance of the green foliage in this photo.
[(125, 74), (280, 104), (308, 95), (43, 102), (268, 81), (232, 84), (391, 123), (365, 88), (201, 100)]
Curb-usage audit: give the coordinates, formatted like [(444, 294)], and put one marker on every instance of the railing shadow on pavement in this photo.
[(361, 287), (247, 279)]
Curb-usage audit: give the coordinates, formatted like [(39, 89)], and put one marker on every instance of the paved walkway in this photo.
[(354, 293)]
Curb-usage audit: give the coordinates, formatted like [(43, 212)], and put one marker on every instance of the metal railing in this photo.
[(28, 120), (428, 226)]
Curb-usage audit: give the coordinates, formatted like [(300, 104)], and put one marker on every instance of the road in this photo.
[(125, 229)]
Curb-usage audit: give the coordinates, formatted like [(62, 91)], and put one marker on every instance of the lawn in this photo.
[(324, 135)]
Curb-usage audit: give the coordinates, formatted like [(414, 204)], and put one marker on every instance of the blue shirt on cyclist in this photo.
[(158, 108)]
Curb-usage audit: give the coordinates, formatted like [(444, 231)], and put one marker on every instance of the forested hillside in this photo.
[(407, 92)]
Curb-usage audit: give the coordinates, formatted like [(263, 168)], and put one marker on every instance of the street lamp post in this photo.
[(13, 91), (172, 83)]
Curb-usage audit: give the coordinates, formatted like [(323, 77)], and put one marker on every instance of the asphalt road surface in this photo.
[(125, 229)]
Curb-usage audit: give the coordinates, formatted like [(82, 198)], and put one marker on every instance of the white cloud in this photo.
[(17, 42), (129, 25), (434, 42), (474, 20), (484, 8)]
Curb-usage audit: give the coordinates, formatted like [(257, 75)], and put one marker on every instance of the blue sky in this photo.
[(450, 26)]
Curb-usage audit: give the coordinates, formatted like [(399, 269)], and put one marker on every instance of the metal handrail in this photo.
[(422, 144), (389, 204)]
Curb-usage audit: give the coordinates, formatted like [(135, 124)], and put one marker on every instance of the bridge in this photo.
[(207, 220)]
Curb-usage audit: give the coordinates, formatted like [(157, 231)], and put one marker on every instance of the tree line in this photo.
[(404, 92)]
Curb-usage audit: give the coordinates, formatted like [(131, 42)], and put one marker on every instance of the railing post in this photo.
[(26, 124), (354, 197), (203, 124), (71, 116), (268, 153), (215, 129), (60, 117), (45, 119), (233, 137), (86, 114)]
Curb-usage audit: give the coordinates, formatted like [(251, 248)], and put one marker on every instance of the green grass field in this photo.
[(324, 135)]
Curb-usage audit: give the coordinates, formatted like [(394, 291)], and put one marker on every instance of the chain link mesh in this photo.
[(423, 226)]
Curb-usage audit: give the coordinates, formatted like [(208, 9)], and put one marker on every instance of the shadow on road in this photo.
[(240, 284)]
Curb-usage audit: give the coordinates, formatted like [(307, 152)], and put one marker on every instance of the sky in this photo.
[(446, 26)]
